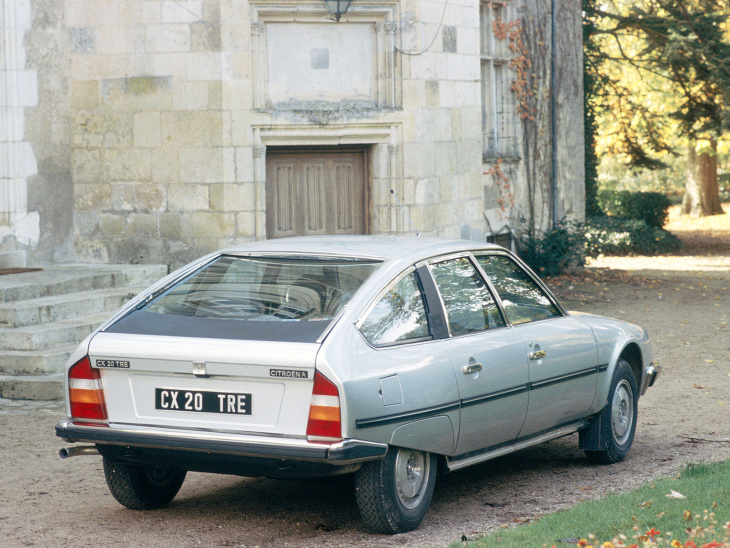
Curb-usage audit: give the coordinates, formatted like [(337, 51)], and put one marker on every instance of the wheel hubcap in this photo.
[(412, 469), (622, 412)]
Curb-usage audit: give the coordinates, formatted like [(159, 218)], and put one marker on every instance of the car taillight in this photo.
[(324, 411), (85, 393)]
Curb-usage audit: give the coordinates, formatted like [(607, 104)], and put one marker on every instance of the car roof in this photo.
[(403, 248)]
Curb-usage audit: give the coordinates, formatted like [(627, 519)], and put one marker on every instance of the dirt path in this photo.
[(45, 501)]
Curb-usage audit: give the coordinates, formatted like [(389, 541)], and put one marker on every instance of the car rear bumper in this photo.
[(341, 453)]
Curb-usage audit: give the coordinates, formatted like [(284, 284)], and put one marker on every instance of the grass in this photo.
[(701, 517)]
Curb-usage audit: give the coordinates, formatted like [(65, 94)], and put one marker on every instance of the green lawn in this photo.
[(701, 517)]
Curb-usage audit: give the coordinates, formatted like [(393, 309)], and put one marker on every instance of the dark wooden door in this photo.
[(315, 193)]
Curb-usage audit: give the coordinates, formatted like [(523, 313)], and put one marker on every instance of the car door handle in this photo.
[(537, 355), (472, 368)]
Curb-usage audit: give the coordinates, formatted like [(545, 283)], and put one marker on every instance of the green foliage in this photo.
[(615, 236), (555, 252), (651, 207), (664, 72), (700, 516)]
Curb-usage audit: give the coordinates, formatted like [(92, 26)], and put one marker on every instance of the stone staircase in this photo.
[(45, 314)]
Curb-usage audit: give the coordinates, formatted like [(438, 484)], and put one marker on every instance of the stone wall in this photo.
[(524, 197), (154, 117), (19, 225), (155, 170)]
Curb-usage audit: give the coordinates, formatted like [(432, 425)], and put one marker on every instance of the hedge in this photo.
[(650, 207)]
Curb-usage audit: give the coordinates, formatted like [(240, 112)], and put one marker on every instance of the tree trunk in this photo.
[(702, 194)]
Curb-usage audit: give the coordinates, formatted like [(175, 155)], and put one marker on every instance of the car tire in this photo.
[(393, 494), (617, 419), (140, 487)]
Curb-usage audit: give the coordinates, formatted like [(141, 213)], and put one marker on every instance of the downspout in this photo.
[(553, 111)]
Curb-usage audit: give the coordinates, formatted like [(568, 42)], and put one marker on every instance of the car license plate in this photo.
[(170, 399)]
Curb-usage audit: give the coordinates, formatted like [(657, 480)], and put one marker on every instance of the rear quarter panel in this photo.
[(381, 387)]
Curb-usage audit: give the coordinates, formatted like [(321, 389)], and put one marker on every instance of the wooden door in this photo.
[(315, 193)]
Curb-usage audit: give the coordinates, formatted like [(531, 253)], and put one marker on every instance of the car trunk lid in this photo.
[(212, 384)]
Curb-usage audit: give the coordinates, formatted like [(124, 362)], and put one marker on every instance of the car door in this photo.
[(487, 356), (561, 350)]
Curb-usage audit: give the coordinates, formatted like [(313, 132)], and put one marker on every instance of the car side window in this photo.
[(469, 305), (523, 300), (398, 316)]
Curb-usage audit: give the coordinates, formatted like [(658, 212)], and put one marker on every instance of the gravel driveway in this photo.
[(685, 418)]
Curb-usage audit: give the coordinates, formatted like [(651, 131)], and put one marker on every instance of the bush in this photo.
[(613, 236), (651, 207), (557, 251)]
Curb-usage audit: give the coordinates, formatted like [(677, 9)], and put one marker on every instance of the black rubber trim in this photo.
[(407, 416), (603, 368), (495, 395), (476, 400), (563, 378)]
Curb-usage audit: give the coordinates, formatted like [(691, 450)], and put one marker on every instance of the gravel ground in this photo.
[(685, 418)]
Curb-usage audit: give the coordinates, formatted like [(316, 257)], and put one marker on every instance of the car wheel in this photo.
[(393, 494), (618, 417), (140, 487)]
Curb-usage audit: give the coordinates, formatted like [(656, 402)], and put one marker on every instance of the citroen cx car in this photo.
[(393, 359)]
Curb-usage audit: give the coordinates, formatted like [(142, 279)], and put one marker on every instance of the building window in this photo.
[(499, 125)]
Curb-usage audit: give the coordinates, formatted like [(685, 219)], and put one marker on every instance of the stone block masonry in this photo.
[(18, 91), (142, 130), (153, 164)]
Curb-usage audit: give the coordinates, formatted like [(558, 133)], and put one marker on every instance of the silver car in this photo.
[(391, 358)]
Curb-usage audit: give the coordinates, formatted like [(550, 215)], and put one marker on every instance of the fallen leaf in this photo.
[(687, 516), (700, 387), (646, 504), (675, 495), (709, 361)]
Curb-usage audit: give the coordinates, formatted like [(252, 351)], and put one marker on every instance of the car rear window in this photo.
[(253, 298)]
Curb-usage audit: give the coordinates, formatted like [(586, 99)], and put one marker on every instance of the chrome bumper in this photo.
[(267, 447), (651, 372)]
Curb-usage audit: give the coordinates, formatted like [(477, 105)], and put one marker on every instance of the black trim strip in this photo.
[(408, 415), (562, 378), (603, 368), (476, 400)]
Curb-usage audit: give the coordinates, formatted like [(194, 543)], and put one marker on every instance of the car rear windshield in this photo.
[(253, 298)]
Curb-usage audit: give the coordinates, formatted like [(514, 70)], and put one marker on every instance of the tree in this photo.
[(665, 70), (591, 87)]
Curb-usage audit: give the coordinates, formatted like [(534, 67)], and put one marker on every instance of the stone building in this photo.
[(153, 131)]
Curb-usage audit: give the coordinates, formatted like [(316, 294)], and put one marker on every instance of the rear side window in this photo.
[(523, 300), (399, 316)]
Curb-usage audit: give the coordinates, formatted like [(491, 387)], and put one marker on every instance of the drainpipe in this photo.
[(553, 109)]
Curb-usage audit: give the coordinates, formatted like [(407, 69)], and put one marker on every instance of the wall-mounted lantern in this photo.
[(337, 8)]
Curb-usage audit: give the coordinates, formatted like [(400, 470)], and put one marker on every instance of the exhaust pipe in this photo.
[(68, 452)]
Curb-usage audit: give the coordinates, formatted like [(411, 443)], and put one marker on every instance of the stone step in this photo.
[(45, 387), (35, 362), (64, 279), (39, 337), (63, 307), (45, 314)]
